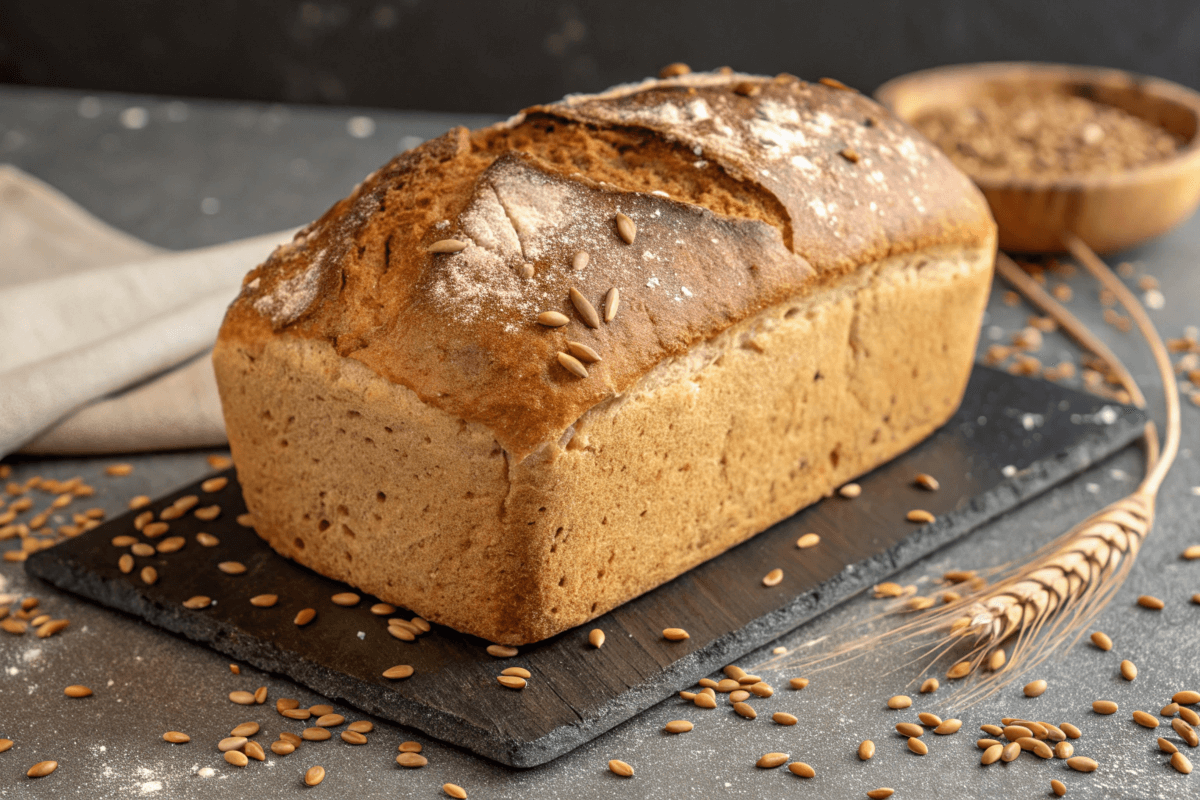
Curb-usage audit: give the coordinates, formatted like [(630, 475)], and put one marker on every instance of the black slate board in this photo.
[(1046, 432)]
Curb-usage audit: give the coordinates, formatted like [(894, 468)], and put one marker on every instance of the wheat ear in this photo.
[(1047, 601)]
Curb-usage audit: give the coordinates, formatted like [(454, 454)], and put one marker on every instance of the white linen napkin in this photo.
[(106, 338)]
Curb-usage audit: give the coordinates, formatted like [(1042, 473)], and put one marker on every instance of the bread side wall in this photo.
[(748, 429), (355, 477)]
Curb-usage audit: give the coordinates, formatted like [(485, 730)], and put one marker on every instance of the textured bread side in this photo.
[(359, 479)]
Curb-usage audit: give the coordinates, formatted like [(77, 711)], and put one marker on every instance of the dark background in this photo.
[(498, 57)]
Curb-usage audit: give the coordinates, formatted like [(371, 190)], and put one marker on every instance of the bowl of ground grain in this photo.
[(1108, 155)]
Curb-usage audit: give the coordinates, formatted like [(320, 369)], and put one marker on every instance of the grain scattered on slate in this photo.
[(618, 767), (397, 672), (501, 651), (802, 770), (866, 750), (176, 737), (678, 726), (899, 701), (1150, 602), (242, 698), (411, 760), (1035, 688), (314, 775)]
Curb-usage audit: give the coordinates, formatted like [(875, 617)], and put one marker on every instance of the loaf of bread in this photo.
[(768, 287)]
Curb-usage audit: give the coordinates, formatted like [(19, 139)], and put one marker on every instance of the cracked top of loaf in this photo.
[(745, 191)]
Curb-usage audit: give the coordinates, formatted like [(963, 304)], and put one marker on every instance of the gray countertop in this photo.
[(183, 174)]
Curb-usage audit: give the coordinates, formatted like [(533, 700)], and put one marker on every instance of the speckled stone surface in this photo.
[(152, 181)]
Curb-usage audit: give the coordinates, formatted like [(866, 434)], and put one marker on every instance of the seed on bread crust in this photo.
[(584, 353), (585, 308), (612, 301), (572, 365), (674, 70), (447, 246)]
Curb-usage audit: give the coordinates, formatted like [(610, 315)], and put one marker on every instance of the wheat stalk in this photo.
[(1047, 601)]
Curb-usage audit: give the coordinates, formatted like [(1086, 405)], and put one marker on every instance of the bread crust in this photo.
[(461, 331), (790, 318)]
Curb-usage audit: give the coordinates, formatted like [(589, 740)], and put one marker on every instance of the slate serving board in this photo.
[(1047, 433)]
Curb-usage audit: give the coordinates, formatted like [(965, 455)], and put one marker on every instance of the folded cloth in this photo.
[(105, 336)]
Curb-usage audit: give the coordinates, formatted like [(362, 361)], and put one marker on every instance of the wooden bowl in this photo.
[(1107, 211)]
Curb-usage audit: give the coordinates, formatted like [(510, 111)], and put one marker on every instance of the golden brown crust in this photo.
[(789, 213), (359, 479)]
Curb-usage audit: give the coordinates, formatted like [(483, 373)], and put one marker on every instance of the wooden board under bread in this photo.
[(576, 692)]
